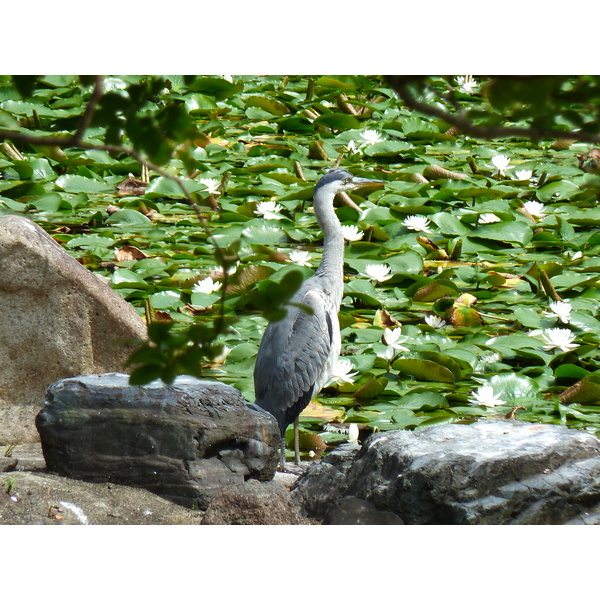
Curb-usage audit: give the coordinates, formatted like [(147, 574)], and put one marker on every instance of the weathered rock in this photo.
[(354, 511), (7, 463), (58, 320), (254, 503), (26, 457), (184, 442), (489, 472)]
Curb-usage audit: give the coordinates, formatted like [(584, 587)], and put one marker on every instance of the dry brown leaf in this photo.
[(161, 315), (384, 319), (129, 253), (311, 441), (318, 411), (131, 187)]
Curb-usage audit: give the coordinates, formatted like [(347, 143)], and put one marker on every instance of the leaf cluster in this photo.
[(262, 139)]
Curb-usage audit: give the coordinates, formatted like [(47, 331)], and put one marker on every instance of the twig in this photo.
[(75, 141), (488, 133), (86, 119)]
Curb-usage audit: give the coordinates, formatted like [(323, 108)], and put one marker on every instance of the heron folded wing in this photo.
[(294, 357)]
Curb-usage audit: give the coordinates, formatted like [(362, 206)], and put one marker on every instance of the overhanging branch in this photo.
[(461, 122), (76, 141)]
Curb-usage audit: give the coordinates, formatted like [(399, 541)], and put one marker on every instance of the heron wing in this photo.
[(295, 355)]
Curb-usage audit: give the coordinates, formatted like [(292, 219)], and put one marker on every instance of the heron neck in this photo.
[(332, 260)]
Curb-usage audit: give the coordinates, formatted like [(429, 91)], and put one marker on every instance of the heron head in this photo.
[(340, 180)]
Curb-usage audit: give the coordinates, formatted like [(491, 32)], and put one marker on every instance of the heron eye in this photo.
[(347, 180)]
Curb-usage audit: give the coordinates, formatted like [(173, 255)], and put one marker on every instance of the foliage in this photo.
[(489, 280)]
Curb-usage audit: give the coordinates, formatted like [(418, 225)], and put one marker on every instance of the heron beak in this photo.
[(361, 182)]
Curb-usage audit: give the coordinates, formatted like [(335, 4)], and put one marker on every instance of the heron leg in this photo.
[(282, 454), (296, 442)]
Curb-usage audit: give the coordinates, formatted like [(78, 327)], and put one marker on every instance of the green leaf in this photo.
[(269, 104), (128, 279), (128, 216), (76, 183), (162, 186), (562, 189), (445, 361), (408, 261), (431, 290), (423, 400), (424, 370), (338, 121), (166, 300), (200, 104), (387, 148), (345, 82), (586, 391), (569, 371), (511, 232)]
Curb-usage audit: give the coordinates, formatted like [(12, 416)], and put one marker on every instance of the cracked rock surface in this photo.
[(489, 472), (184, 442)]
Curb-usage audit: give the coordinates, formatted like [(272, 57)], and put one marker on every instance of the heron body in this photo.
[(297, 354)]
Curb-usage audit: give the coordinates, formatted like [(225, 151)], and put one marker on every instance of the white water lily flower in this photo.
[(577, 255), (268, 210), (524, 174), (435, 321), (370, 136), (488, 218), (417, 223), (342, 372), (352, 149), (487, 359), (490, 357), (378, 272), (212, 185), (352, 233), (485, 396), (466, 84), (558, 338), (353, 433), (300, 257), (394, 340), (207, 286), (535, 208), (560, 309), (501, 163)]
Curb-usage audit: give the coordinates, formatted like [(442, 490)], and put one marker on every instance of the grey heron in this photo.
[(297, 353)]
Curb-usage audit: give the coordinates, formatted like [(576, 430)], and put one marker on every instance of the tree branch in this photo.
[(460, 121), (76, 141), (89, 110)]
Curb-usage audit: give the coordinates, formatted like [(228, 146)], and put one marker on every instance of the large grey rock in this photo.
[(489, 472), (184, 442), (58, 320)]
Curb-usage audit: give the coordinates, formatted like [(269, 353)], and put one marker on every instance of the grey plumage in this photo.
[(297, 354)]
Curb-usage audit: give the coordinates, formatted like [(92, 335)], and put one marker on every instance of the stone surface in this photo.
[(354, 511), (58, 320), (39, 498), (254, 503), (26, 457), (489, 472), (184, 442)]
